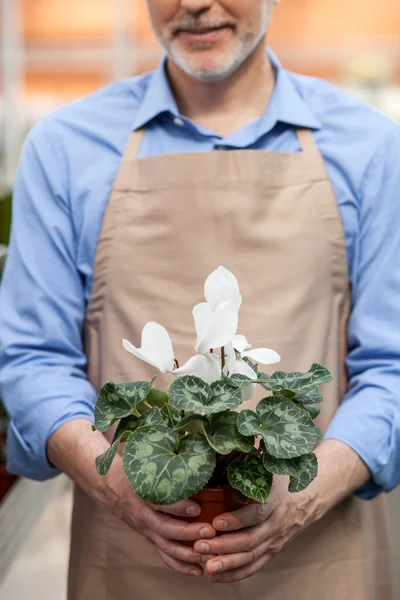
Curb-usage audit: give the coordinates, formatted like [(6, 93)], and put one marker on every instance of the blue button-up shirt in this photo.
[(65, 175)]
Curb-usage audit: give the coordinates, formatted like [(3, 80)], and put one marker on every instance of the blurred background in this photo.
[(55, 51)]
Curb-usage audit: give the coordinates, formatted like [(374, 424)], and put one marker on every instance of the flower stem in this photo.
[(222, 357)]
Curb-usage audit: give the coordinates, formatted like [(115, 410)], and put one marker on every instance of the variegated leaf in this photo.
[(303, 384), (248, 475), (192, 394), (313, 411), (192, 423), (116, 402), (151, 417), (223, 435), (238, 380), (171, 415), (288, 430), (164, 469), (302, 470), (125, 428)]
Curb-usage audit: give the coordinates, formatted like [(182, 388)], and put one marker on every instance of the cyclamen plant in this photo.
[(192, 436)]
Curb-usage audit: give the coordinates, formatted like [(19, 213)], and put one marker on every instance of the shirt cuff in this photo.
[(373, 437), (29, 458)]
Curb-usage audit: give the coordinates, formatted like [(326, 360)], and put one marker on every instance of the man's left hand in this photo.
[(261, 532), (258, 532)]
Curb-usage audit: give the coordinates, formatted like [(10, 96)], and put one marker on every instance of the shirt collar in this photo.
[(286, 105)]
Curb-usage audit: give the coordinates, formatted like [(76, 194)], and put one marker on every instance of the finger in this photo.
[(249, 515), (230, 562), (181, 567), (242, 572), (179, 551), (243, 541), (185, 508), (174, 529)]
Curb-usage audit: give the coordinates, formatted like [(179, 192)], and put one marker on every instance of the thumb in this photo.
[(184, 508)]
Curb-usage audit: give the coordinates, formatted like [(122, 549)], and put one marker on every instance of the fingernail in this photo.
[(195, 573), (217, 566), (205, 548), (192, 511), (204, 532), (222, 524)]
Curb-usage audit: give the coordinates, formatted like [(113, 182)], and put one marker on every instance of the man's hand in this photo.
[(167, 533), (73, 449), (259, 532)]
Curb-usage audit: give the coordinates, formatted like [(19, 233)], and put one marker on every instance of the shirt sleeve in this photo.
[(42, 364), (368, 419)]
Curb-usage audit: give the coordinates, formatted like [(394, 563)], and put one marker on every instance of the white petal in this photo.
[(222, 286), (265, 356), (136, 352), (205, 366), (230, 358), (243, 368), (240, 343), (221, 327), (156, 347), (202, 318)]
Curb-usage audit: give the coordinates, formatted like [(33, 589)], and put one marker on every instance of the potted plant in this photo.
[(191, 440)]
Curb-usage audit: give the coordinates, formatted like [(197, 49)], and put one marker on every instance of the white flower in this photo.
[(214, 328), (206, 366), (157, 351), (233, 364), (222, 287)]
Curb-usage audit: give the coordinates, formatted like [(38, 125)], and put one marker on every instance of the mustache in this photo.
[(190, 22)]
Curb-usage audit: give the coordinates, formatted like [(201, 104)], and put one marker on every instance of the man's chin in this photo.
[(201, 71)]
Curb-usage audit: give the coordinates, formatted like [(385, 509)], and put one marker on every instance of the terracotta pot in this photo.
[(6, 481), (215, 502)]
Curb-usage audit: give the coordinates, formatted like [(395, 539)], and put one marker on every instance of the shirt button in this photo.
[(178, 122)]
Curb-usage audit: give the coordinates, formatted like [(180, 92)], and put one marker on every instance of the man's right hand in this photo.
[(73, 449)]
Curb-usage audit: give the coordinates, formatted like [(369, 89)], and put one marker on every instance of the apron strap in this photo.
[(310, 150), (133, 145)]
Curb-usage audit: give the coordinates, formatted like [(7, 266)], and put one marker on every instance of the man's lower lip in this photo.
[(203, 37)]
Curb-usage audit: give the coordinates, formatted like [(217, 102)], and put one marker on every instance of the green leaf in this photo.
[(192, 423), (116, 402), (248, 475), (151, 417), (157, 398), (304, 385), (171, 415), (164, 469), (223, 435), (308, 470), (302, 470), (125, 428), (313, 411), (319, 435), (224, 397), (239, 381), (190, 393), (288, 430)]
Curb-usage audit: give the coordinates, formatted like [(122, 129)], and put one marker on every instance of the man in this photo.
[(124, 202)]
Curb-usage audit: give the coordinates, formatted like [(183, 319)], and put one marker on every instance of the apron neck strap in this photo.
[(133, 145)]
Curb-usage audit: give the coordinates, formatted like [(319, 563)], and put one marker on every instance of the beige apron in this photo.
[(273, 220)]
